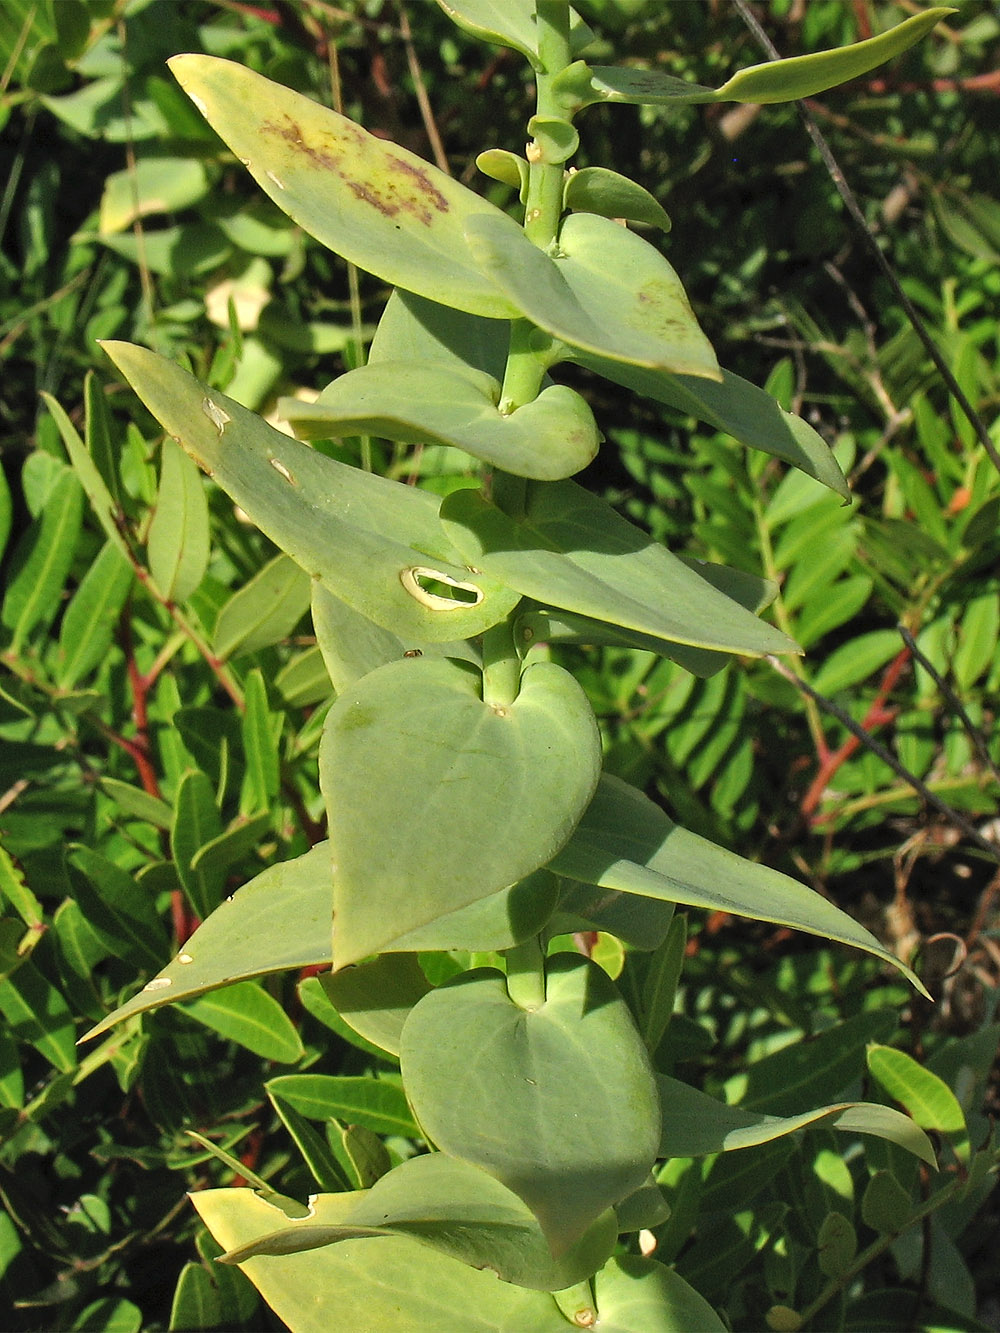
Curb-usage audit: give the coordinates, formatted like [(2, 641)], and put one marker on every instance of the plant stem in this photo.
[(501, 666), (526, 974)]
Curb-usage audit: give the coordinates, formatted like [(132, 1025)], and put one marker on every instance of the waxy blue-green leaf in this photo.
[(558, 1102), (375, 543), (605, 291), (506, 167), (696, 1125), (375, 998), (416, 1290), (415, 329), (264, 610), (635, 1295), (498, 921), (246, 1014), (553, 436), (511, 23), (611, 195), (456, 1209), (472, 797), (775, 81), (375, 204), (352, 645), (571, 550), (565, 627), (178, 545), (736, 406), (277, 922), (625, 842)]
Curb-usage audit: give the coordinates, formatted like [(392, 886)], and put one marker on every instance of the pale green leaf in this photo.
[(413, 740), (452, 1207), (737, 407), (375, 204), (696, 1125), (805, 76), (635, 1295), (277, 922), (565, 1089), (604, 291), (375, 998), (510, 23), (625, 842), (373, 542), (775, 81), (382, 1282), (415, 329), (611, 195), (550, 437), (352, 645), (571, 550)]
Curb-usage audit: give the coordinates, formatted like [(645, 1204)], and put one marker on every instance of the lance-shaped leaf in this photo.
[(696, 1125), (775, 81), (373, 542), (605, 290), (549, 438), (454, 1208), (627, 843), (379, 206), (417, 1288), (571, 550), (511, 23), (279, 921), (558, 1102), (472, 797), (736, 406)]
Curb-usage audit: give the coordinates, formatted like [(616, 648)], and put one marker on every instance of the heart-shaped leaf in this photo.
[(606, 291), (627, 843), (376, 543), (471, 797), (549, 438), (415, 329), (376, 204), (558, 1103), (571, 550)]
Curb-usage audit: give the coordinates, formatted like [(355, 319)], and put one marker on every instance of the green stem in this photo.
[(526, 974), (501, 665), (877, 1247)]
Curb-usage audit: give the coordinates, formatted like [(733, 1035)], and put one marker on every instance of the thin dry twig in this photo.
[(854, 210)]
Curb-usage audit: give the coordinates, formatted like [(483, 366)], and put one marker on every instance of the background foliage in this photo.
[(159, 706)]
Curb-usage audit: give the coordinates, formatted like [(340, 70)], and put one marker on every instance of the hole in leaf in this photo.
[(438, 591)]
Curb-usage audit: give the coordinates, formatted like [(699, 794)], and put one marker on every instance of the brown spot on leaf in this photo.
[(396, 187)]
